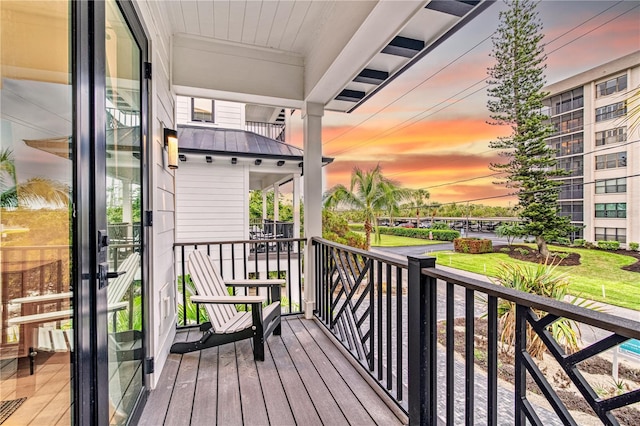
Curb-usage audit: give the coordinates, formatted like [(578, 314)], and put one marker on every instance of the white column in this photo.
[(264, 205), (276, 204), (312, 189), (296, 206)]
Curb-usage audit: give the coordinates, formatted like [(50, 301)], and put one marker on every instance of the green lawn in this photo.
[(598, 268), (396, 241)]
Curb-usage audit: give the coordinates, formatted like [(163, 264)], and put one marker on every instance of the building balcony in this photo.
[(393, 341)]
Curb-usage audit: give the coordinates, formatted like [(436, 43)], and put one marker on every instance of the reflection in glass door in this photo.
[(123, 200), (37, 331)]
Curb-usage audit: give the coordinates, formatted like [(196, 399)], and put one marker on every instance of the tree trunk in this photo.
[(367, 233), (542, 246)]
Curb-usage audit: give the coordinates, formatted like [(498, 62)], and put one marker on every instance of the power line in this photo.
[(459, 57), (514, 194), (391, 131), (409, 90)]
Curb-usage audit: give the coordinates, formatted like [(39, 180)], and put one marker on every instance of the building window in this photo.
[(615, 210), (573, 210), (567, 145), (611, 111), (611, 234), (612, 86), (619, 134), (567, 101), (611, 186), (567, 123), (611, 161), (202, 110), (571, 189), (572, 165)]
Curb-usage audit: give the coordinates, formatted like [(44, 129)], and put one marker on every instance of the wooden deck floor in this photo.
[(304, 380)]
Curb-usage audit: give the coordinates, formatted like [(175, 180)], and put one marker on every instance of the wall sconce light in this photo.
[(280, 163), (258, 162), (234, 160), (182, 157), (209, 159), (171, 145)]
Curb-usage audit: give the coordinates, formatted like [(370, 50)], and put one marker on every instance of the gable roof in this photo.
[(233, 142)]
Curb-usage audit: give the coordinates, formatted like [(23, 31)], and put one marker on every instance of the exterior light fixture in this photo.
[(234, 160), (280, 163), (171, 145), (209, 159), (258, 162), (182, 157)]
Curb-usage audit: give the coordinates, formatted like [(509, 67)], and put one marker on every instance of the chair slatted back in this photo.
[(118, 286), (208, 282)]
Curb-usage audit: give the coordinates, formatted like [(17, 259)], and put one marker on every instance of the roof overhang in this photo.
[(354, 50)]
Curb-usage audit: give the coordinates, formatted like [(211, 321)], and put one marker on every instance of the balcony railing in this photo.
[(270, 130), (243, 259), (388, 314)]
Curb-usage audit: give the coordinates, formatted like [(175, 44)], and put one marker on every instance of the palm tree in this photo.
[(370, 192), (418, 197), (36, 190), (8, 179)]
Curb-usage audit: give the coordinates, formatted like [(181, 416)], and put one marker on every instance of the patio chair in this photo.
[(227, 324)]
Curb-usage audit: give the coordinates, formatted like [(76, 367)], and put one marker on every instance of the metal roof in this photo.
[(233, 142)]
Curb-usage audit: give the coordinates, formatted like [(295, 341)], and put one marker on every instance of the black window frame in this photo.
[(213, 111)]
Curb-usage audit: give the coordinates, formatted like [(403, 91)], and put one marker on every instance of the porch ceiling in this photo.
[(285, 53)]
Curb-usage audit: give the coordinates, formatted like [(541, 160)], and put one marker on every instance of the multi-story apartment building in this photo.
[(598, 145)]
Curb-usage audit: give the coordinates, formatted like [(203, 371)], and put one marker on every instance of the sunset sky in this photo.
[(428, 129)]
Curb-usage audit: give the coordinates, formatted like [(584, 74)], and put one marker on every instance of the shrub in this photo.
[(510, 231), (335, 228), (589, 245), (440, 225), (578, 242), (634, 246), (505, 250), (563, 241), (542, 280), (609, 245), (522, 251), (472, 245)]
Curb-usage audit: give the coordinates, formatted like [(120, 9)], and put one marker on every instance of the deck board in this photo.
[(304, 379), (253, 407), (205, 399)]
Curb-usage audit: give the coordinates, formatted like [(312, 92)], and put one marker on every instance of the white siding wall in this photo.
[(212, 202), (227, 115), (160, 257)]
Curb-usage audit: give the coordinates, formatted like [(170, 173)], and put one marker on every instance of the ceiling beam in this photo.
[(370, 76), (404, 46), (455, 8), (350, 95)]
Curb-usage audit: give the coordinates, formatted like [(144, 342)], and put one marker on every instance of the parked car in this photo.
[(407, 225)]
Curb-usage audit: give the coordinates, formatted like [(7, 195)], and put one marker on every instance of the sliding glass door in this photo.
[(72, 248), (36, 213)]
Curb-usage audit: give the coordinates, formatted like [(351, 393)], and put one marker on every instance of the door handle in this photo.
[(115, 274), (104, 275)]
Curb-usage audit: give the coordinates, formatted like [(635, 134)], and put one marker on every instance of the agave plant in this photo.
[(543, 280)]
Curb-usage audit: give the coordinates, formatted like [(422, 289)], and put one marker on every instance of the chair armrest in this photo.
[(229, 300), (255, 283), (42, 298)]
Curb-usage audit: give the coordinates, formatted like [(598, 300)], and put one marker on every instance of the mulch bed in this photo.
[(529, 254), (506, 370)]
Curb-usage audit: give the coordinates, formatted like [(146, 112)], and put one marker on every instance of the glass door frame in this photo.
[(90, 374)]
